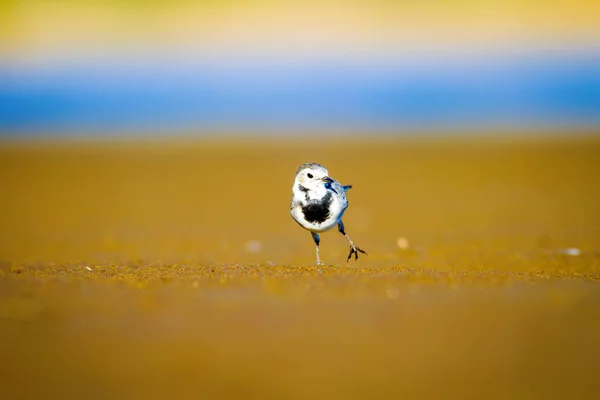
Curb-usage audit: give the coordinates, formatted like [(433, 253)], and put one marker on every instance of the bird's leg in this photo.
[(354, 249), (317, 240)]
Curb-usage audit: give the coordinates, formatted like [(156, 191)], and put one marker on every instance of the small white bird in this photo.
[(319, 203)]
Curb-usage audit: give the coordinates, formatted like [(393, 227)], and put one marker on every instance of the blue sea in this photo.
[(119, 98)]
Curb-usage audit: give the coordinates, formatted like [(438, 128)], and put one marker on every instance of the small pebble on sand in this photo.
[(253, 246), (570, 251), (402, 243)]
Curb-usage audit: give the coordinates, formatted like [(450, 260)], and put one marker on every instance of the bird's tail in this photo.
[(347, 187)]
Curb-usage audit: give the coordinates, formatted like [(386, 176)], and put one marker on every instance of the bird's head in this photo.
[(312, 176)]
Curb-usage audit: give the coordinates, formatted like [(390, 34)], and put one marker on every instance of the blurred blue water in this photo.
[(115, 98)]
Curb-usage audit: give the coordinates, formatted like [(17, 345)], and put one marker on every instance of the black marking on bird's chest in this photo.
[(318, 211), (304, 190)]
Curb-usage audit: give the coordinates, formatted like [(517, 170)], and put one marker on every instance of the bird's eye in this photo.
[(309, 175)]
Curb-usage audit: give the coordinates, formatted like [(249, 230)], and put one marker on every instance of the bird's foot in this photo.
[(355, 250), (320, 264)]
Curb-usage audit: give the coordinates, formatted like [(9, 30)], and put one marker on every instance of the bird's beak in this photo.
[(327, 179)]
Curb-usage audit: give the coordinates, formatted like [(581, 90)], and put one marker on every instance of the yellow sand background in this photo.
[(58, 29), (156, 269)]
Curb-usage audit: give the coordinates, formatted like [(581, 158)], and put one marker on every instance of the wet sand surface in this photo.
[(147, 270)]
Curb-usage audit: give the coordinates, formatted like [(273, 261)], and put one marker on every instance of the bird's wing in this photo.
[(337, 187)]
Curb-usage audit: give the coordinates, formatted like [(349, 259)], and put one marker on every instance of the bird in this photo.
[(318, 204)]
